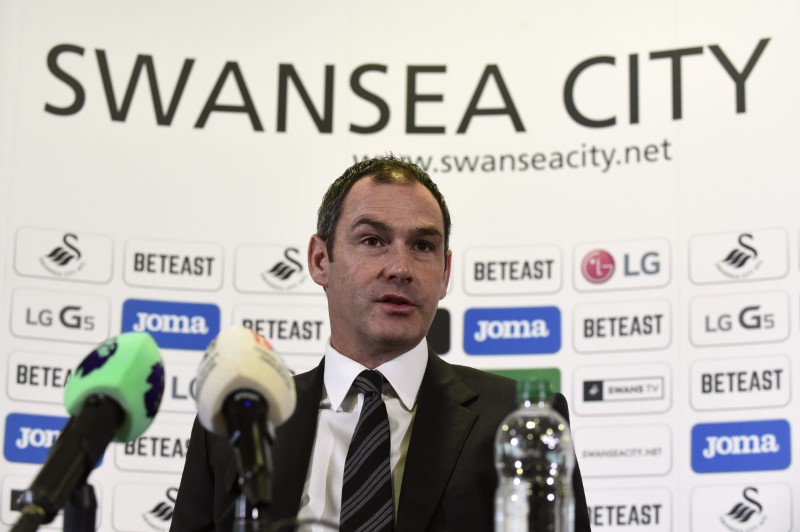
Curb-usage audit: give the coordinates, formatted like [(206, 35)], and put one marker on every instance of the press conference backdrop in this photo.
[(622, 178)]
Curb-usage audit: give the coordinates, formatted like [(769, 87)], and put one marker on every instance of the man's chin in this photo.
[(400, 343)]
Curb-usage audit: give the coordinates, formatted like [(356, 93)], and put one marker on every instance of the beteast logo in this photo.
[(512, 331), (741, 446), (598, 266), (173, 325), (29, 437), (742, 260)]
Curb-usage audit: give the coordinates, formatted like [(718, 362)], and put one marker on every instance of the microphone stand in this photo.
[(251, 437), (80, 513), (72, 457)]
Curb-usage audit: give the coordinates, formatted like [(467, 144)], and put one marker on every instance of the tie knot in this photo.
[(369, 382)]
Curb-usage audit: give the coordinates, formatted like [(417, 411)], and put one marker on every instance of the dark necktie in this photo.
[(367, 503)]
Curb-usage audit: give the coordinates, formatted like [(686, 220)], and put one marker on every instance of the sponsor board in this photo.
[(173, 324), (630, 510), (290, 329), (29, 437), (624, 451), (739, 319), (10, 511), (439, 333), (512, 331), (144, 507), (737, 383), (551, 375), (752, 507), (63, 255), (749, 255), (763, 445), (630, 326), (173, 264), (264, 269), (624, 265), (180, 387), (61, 316), (39, 377), (512, 270), (161, 449), (622, 389)]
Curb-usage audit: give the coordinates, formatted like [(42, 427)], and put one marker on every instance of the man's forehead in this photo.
[(383, 203)]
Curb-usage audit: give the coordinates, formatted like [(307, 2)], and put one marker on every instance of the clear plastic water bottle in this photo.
[(534, 458)]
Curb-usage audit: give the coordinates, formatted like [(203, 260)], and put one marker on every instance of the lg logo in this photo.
[(71, 317), (620, 266), (60, 316), (751, 317), (598, 266)]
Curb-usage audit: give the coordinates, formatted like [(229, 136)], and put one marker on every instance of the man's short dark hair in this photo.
[(386, 169)]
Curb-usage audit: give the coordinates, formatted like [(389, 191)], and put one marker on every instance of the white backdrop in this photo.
[(660, 136)]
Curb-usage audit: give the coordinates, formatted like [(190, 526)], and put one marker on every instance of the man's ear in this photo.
[(318, 260), (446, 277)]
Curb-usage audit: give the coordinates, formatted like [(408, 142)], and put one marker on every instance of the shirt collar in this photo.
[(403, 372)]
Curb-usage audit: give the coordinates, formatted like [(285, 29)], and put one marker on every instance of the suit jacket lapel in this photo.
[(293, 445), (441, 426)]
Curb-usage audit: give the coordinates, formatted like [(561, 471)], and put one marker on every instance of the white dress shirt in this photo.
[(338, 413)]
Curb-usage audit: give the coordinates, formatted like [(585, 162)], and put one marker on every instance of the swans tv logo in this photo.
[(63, 255), (29, 437), (742, 446), (512, 331), (173, 325)]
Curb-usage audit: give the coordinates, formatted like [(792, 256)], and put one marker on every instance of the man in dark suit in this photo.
[(388, 226)]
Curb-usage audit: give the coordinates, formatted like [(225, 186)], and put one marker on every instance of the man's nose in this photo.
[(399, 265)]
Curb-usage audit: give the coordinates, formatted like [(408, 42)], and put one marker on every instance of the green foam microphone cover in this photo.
[(128, 369)]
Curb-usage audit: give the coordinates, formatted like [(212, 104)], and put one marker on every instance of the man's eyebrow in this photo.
[(375, 224), (425, 230)]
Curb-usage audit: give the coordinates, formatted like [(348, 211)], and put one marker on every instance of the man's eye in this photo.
[(371, 241), (424, 246)]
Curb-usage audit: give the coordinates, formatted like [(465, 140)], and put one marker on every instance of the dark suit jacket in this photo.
[(449, 477)]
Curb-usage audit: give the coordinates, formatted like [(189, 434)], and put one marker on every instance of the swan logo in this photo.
[(741, 261), (287, 272), (64, 260), (747, 510), (160, 515)]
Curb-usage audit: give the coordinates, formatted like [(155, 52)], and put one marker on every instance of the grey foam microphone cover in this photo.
[(241, 359)]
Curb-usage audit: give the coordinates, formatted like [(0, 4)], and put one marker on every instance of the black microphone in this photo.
[(244, 391), (113, 394)]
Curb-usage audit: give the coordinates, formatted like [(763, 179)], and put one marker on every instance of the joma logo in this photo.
[(511, 329), (762, 445), (741, 444), (170, 323)]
